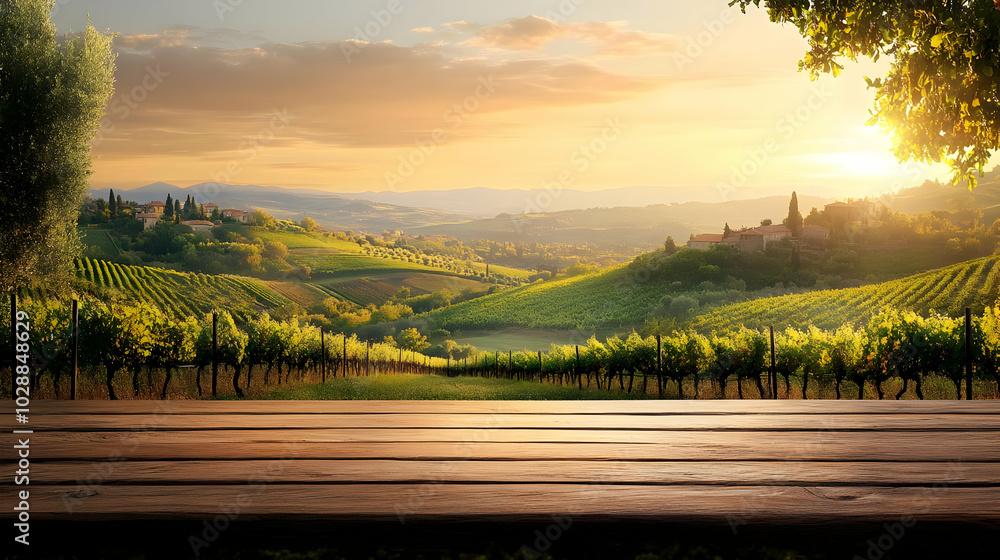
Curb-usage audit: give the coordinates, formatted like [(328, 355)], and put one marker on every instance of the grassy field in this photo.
[(535, 340), (435, 387), (297, 240), (947, 290), (98, 243), (610, 298)]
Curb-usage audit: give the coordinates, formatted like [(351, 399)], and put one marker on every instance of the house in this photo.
[(155, 207), (840, 213), (149, 219), (200, 226), (757, 239), (816, 234), (209, 207), (703, 241), (240, 215)]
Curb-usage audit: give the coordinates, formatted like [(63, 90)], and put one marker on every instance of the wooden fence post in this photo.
[(368, 356), (774, 370), (215, 351), (343, 358), (579, 374), (539, 366), (322, 354), (659, 365), (13, 344), (75, 348), (968, 354)]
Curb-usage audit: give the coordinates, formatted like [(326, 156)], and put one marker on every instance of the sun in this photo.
[(862, 163)]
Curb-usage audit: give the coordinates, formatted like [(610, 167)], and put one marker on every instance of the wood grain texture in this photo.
[(349, 471), (518, 502), (706, 446), (514, 407), (766, 462), (500, 421)]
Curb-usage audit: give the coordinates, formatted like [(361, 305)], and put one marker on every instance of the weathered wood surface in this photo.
[(785, 462)]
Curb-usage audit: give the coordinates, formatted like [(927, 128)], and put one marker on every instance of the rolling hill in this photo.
[(184, 293), (614, 298), (947, 291)]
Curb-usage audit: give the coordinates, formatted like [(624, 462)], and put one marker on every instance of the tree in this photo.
[(113, 204), (766, 222), (794, 219), (177, 211), (118, 204), (309, 224), (411, 339), (168, 209), (939, 98), (53, 94), (727, 231), (669, 247), (262, 219)]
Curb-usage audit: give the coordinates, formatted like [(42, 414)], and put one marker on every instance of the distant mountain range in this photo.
[(634, 216), (328, 209), (944, 196), (630, 226)]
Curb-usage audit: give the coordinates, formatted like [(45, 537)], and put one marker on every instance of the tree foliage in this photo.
[(939, 98), (53, 94)]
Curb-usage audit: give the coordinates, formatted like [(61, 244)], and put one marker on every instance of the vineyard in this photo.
[(120, 338), (607, 298), (948, 291), (620, 298), (180, 292), (893, 354), (893, 350)]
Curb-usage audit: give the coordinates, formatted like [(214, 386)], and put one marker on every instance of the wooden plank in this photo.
[(483, 435), (516, 502), (702, 446), (728, 473), (515, 407), (789, 422)]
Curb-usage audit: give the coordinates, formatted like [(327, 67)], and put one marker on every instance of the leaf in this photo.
[(938, 39)]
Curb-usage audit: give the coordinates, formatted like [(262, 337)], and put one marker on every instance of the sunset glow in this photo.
[(399, 95)]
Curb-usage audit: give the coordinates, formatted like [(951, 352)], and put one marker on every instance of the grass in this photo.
[(435, 387), (298, 240), (100, 240)]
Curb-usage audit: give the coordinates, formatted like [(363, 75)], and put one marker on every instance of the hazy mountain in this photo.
[(630, 226), (491, 202), (944, 196), (328, 209), (635, 226)]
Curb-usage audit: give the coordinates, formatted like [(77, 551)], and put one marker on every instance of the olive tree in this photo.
[(53, 93)]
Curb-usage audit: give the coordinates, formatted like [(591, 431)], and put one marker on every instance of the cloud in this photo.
[(534, 33), (211, 99)]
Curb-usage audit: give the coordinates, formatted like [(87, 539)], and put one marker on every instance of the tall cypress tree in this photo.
[(112, 204), (794, 219), (168, 210)]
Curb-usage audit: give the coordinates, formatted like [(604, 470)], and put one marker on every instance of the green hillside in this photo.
[(185, 293), (607, 298), (946, 290), (614, 298)]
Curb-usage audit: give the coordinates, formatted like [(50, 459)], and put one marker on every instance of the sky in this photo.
[(408, 95)]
